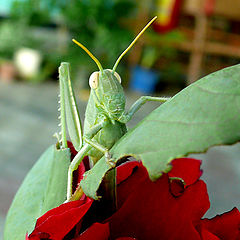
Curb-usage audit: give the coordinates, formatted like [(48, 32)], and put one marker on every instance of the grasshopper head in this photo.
[(108, 92)]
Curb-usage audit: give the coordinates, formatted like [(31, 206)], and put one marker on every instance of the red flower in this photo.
[(165, 209)]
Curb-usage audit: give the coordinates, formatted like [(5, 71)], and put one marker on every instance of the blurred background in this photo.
[(190, 39)]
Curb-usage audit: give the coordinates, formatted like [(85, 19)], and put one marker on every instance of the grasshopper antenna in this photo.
[(90, 54), (132, 43)]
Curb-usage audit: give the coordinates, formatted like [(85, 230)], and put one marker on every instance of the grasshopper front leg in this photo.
[(126, 117)]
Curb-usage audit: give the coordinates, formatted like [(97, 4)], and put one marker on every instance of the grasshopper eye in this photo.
[(93, 80), (116, 75)]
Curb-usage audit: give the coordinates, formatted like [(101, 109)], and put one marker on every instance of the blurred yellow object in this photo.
[(164, 11), (168, 15)]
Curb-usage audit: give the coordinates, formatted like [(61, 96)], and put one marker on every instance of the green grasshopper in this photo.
[(105, 118)]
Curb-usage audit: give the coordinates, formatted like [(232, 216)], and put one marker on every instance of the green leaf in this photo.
[(204, 114), (43, 188)]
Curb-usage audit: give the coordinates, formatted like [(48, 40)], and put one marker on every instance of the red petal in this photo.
[(78, 176), (72, 149), (96, 231), (206, 235), (225, 226), (126, 238), (125, 170), (186, 168), (56, 223), (177, 187), (149, 211)]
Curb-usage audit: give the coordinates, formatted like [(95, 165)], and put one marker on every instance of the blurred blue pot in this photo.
[(143, 80)]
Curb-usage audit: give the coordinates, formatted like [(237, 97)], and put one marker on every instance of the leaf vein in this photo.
[(213, 92)]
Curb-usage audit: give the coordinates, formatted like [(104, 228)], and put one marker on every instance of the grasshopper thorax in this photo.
[(108, 92)]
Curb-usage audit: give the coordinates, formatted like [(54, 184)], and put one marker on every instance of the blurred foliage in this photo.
[(163, 44), (149, 57), (19, 30), (16, 31), (32, 12), (162, 56), (95, 23), (11, 37), (98, 25)]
